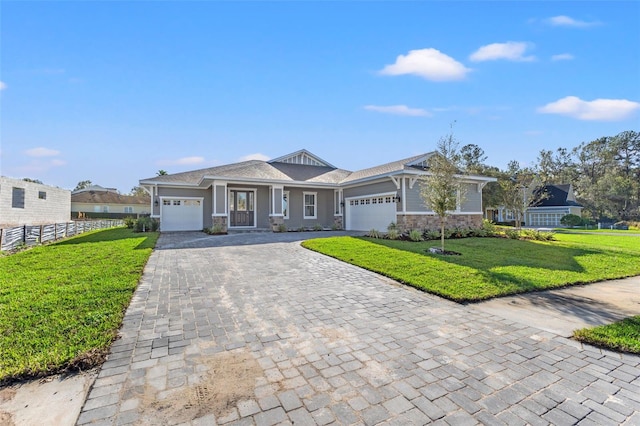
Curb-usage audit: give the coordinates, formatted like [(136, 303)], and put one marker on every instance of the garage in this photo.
[(181, 214), (367, 213)]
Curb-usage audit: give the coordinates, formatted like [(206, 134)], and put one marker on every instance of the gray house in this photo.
[(301, 190)]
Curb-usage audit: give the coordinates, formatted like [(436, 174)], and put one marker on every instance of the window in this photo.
[(310, 205), (285, 204), (17, 198), (128, 209), (105, 209), (42, 195), (96, 209), (176, 202)]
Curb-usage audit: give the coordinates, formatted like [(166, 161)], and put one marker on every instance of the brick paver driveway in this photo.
[(254, 329)]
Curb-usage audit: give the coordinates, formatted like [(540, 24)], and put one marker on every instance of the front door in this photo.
[(241, 208)]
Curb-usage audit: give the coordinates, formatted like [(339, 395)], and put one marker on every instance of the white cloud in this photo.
[(430, 64), (566, 21), (563, 57), (399, 110), (256, 156), (42, 152), (57, 162), (511, 51), (2, 85), (596, 110)]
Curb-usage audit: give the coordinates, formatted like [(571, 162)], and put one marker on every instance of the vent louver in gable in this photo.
[(303, 157)]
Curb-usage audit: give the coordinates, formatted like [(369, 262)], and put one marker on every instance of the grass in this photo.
[(491, 267), (61, 305), (622, 335)]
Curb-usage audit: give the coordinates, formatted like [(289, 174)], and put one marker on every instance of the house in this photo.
[(301, 190), (558, 201), (29, 203), (98, 202), (547, 210)]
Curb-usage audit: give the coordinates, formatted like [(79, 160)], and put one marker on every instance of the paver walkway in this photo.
[(224, 331)]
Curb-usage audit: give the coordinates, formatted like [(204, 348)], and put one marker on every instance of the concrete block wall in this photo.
[(55, 208)]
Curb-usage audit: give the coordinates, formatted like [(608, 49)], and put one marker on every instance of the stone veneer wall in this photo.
[(275, 222), (409, 221), (337, 222), (222, 221)]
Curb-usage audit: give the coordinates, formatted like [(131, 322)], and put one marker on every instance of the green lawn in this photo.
[(61, 305), (491, 267), (622, 335)]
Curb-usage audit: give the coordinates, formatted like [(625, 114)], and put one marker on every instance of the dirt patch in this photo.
[(229, 377), (6, 419), (7, 394)]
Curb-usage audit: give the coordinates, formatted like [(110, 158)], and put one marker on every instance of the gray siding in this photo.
[(324, 205), (414, 202), (473, 199), (207, 201), (262, 207), (220, 199), (374, 188)]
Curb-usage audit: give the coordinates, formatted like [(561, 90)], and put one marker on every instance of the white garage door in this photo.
[(367, 213), (181, 214)]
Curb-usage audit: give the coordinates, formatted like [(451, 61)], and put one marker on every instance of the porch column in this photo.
[(220, 207)]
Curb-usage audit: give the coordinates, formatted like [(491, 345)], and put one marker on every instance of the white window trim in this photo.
[(315, 205)]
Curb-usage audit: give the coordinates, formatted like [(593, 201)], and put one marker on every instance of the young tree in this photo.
[(138, 191), (520, 188), (473, 158), (442, 189)]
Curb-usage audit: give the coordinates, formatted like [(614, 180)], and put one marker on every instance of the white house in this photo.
[(28, 203)]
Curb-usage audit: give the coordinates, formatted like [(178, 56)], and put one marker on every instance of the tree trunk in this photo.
[(442, 235)]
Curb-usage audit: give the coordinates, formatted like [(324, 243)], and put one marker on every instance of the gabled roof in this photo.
[(388, 168), (556, 196), (302, 157), (107, 197)]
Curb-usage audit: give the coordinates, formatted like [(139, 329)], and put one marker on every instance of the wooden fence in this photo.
[(30, 235)]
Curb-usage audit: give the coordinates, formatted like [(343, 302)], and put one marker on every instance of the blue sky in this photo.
[(114, 91)]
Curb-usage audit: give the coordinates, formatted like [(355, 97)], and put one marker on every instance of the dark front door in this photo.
[(241, 208)]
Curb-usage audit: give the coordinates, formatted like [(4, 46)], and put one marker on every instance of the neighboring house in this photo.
[(98, 202), (557, 202), (29, 203), (301, 190)]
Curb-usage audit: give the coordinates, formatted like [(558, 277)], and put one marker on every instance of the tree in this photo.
[(520, 188), (161, 173), (442, 188), (473, 158), (139, 191), (82, 185)]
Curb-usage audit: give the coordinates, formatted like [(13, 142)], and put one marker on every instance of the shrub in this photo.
[(513, 234), (155, 225), (391, 226), (317, 227), (374, 233), (216, 229), (336, 227), (301, 229), (282, 228), (489, 227), (430, 234), (393, 234), (415, 235), (143, 224), (571, 220), (129, 222)]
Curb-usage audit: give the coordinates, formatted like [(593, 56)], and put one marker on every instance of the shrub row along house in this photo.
[(301, 190)]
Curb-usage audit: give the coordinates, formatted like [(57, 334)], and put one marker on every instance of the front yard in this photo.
[(61, 305), (490, 267)]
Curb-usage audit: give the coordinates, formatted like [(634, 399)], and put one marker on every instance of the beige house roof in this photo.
[(107, 197)]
